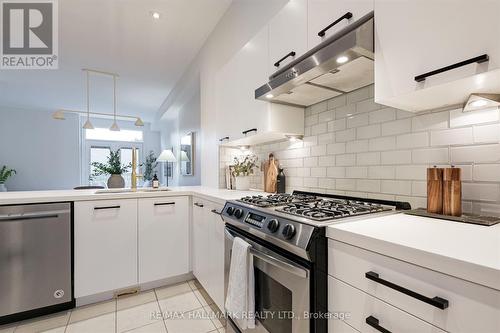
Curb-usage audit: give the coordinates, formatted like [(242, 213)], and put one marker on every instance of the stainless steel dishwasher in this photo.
[(36, 254)]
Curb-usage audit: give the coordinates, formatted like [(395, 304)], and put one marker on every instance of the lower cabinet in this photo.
[(105, 245), (163, 238), (208, 248)]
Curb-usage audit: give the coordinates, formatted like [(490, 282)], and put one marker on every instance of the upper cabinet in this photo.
[(288, 34), (413, 38), (323, 13)]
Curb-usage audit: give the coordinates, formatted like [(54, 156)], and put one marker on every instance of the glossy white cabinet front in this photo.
[(163, 238), (105, 245)]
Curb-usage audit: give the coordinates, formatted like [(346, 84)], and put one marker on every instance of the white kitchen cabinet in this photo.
[(321, 13), (163, 238), (288, 33), (416, 37), (208, 248), (105, 245)]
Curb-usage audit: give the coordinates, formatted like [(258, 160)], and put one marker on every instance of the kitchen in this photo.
[(345, 108)]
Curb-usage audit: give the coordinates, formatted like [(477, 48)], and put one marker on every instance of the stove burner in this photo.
[(277, 199), (329, 209)]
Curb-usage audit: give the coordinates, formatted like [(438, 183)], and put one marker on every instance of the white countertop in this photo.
[(467, 251), (23, 197)]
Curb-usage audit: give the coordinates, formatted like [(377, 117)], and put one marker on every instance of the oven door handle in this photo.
[(294, 269)]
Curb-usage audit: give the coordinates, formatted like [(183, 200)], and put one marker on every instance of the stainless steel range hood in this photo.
[(341, 64)]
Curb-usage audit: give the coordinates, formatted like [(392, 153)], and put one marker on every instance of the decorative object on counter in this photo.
[(281, 181), (4, 175), (150, 165), (484, 220), (452, 191), (230, 179), (270, 168), (168, 157), (242, 168), (155, 183), (186, 158), (435, 190), (112, 167)]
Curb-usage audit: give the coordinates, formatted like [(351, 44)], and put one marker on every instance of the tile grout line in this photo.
[(161, 311)]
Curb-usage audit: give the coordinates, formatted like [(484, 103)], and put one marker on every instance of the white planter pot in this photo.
[(3, 188), (242, 183)]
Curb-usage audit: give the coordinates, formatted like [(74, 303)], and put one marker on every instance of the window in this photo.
[(99, 142)]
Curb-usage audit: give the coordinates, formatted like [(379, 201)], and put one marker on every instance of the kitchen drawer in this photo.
[(338, 326), (471, 307), (360, 306)]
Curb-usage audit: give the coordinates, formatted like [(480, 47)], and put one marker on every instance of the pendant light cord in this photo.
[(88, 96), (114, 98)]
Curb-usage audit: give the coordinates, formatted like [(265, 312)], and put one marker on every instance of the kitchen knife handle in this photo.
[(438, 302), (346, 16), (291, 54), (479, 59)]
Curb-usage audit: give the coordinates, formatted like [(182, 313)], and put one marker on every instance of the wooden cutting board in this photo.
[(270, 169)]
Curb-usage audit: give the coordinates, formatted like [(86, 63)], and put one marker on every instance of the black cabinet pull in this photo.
[(438, 302), (216, 212), (106, 207), (480, 59), (346, 16), (373, 322), (291, 54), (224, 138), (250, 130), (198, 204), (164, 203)]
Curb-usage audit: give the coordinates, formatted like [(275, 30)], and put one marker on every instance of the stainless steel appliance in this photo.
[(287, 237), (341, 64), (36, 252)]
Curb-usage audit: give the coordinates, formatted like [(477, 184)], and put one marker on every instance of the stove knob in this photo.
[(273, 225), (238, 213), (230, 211), (288, 231)]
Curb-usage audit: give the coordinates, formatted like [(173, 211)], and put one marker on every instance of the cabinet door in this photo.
[(217, 255), (163, 238), (200, 242), (287, 33), (322, 13), (105, 245), (415, 37)]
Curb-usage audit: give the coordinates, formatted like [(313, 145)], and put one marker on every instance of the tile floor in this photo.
[(180, 308)]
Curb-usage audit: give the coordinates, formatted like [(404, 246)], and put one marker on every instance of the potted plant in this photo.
[(112, 167), (242, 169), (4, 175), (150, 165)]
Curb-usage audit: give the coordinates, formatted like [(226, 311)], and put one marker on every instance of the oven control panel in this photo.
[(255, 220)]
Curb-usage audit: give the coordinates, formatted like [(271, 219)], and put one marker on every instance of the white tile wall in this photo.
[(354, 146)]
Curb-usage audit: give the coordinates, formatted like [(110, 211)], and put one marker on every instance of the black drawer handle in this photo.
[(346, 16), (373, 322), (291, 54), (438, 302), (250, 130), (224, 138), (106, 207), (216, 212), (480, 59), (164, 203), (198, 204)]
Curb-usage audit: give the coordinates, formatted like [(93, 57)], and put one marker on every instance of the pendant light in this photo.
[(114, 126), (88, 124)]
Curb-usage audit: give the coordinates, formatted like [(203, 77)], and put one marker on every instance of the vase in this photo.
[(3, 188), (242, 183), (116, 181)]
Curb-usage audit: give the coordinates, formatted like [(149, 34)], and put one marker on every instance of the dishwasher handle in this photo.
[(25, 217)]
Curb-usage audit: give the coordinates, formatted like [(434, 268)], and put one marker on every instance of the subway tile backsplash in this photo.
[(354, 146)]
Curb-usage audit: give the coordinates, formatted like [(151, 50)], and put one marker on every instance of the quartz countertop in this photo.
[(24, 197), (467, 251)]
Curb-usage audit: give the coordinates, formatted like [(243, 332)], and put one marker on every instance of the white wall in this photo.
[(240, 23)]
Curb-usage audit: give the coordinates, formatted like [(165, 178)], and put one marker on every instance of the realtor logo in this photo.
[(29, 34)]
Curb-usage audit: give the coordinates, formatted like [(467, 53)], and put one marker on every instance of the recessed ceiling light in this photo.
[(269, 96), (478, 103), (342, 59), (155, 15)]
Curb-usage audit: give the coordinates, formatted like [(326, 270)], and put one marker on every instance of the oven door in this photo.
[(281, 290)]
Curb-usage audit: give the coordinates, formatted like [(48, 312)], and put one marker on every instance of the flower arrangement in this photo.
[(6, 174), (244, 165), (112, 167)]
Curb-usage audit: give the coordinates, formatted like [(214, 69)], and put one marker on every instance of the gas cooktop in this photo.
[(273, 200)]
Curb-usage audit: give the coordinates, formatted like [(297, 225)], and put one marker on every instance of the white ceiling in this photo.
[(116, 36)]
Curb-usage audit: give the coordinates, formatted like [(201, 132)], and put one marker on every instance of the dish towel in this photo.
[(240, 299)]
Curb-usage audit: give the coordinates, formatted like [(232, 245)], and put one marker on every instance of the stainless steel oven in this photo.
[(282, 294)]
